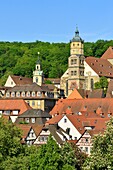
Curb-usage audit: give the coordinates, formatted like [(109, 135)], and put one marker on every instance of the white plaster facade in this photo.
[(10, 82), (65, 123)]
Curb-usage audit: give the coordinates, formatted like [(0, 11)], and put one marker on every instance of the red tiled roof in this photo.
[(101, 66), (37, 129), (19, 80), (24, 128), (108, 53), (11, 104), (81, 105), (54, 120), (74, 95)]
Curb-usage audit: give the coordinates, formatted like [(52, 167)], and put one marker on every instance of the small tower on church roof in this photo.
[(38, 73)]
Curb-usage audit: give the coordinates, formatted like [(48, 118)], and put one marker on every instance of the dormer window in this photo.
[(33, 94), (28, 94), (13, 94), (23, 94), (38, 93), (7, 94), (100, 72), (18, 94)]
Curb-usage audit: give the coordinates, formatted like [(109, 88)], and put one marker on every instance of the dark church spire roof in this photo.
[(38, 61), (77, 38)]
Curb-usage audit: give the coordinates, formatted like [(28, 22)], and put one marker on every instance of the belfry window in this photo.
[(36, 79), (73, 61)]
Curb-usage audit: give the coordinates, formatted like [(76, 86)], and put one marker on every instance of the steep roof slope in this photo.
[(101, 66), (108, 53)]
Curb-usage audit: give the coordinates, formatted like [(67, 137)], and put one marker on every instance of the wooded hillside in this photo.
[(19, 58)]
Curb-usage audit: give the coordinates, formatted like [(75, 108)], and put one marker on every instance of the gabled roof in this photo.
[(89, 105), (19, 80), (25, 129), (11, 104), (74, 95), (101, 66), (108, 53)]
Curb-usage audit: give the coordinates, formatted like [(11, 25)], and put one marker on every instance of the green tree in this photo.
[(102, 84), (102, 152), (68, 156)]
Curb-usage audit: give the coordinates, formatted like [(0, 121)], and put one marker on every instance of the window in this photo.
[(15, 112), (92, 83), (13, 94), (32, 120), (75, 72), (7, 112), (28, 94), (86, 149), (11, 82), (33, 94), (38, 102), (33, 103), (65, 120), (23, 94), (87, 140), (38, 93), (18, 94), (81, 73), (27, 120), (36, 79), (71, 73), (81, 148), (7, 94), (73, 61)]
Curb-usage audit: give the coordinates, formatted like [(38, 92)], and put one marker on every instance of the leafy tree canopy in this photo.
[(20, 58), (102, 152)]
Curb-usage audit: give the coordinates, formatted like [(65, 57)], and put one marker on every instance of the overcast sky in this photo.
[(55, 20)]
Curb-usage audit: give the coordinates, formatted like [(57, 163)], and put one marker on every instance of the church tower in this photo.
[(38, 73), (76, 63)]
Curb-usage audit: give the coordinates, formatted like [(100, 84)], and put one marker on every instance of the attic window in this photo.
[(65, 120), (100, 72), (101, 65), (109, 73), (92, 64), (109, 114), (96, 60), (69, 107), (95, 121), (110, 66), (85, 107)]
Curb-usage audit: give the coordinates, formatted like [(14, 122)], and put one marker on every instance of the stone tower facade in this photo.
[(38, 73), (74, 76)]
